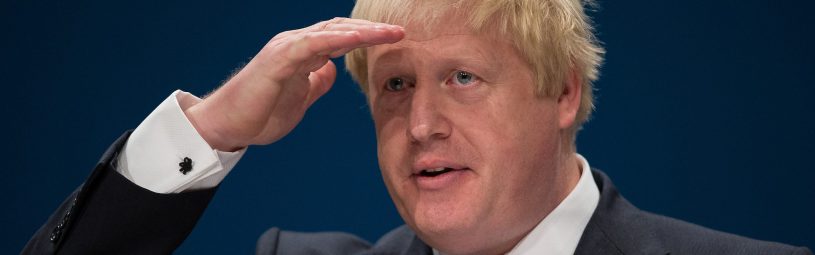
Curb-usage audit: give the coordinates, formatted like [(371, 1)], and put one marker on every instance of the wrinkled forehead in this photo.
[(448, 37), (448, 28)]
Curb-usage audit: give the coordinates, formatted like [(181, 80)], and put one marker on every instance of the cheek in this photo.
[(534, 139), (503, 127), (391, 146), (532, 154), (517, 140)]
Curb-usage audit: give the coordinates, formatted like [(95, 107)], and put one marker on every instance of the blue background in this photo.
[(703, 114)]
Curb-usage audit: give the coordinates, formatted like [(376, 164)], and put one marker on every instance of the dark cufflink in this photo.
[(186, 165)]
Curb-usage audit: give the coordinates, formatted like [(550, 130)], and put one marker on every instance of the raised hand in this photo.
[(268, 97)]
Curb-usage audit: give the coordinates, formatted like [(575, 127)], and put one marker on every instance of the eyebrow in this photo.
[(483, 61), (482, 56)]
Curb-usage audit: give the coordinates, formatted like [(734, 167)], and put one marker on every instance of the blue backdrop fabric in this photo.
[(704, 113)]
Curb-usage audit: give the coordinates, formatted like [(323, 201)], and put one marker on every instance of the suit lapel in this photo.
[(401, 240), (615, 228), (418, 247), (595, 241)]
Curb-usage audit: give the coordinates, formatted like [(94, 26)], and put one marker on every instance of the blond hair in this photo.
[(555, 37)]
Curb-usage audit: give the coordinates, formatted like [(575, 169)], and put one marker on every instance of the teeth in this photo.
[(433, 170)]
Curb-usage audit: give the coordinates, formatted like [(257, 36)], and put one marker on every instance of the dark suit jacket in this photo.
[(110, 215)]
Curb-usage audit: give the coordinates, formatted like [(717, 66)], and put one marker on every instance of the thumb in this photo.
[(320, 81)]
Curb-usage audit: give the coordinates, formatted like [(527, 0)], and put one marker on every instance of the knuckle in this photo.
[(326, 24), (304, 38), (281, 43), (282, 35)]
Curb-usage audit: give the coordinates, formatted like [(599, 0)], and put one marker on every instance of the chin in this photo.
[(462, 243), (449, 228), (456, 226)]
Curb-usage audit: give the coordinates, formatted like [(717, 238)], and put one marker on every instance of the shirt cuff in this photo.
[(154, 152)]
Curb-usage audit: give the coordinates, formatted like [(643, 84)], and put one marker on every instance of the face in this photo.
[(471, 156)]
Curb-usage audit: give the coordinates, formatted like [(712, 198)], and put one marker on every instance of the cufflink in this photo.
[(186, 166)]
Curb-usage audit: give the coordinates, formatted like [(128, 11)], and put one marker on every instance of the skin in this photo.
[(507, 141), (268, 97)]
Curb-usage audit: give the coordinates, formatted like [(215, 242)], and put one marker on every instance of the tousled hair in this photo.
[(555, 37)]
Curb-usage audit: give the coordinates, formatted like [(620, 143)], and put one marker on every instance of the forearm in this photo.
[(108, 214)]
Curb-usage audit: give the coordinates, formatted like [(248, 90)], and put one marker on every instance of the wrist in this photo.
[(200, 118)]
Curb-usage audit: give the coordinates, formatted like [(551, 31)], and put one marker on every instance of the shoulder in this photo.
[(619, 226), (276, 241), (682, 237), (401, 240)]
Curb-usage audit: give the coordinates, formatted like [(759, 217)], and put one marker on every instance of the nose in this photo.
[(427, 122)]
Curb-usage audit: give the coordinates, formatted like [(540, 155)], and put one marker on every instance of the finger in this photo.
[(328, 24), (356, 27), (340, 52), (320, 82), (370, 32), (323, 43), (314, 64), (343, 51), (336, 24)]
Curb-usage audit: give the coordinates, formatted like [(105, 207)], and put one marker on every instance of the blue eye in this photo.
[(464, 78), (395, 84)]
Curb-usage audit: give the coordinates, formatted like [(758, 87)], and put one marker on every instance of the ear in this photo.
[(569, 100)]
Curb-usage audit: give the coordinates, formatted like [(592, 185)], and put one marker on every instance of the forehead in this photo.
[(448, 37)]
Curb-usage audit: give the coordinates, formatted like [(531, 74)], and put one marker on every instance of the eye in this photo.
[(463, 78), (395, 84)]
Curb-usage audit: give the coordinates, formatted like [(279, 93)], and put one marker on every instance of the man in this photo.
[(476, 106)]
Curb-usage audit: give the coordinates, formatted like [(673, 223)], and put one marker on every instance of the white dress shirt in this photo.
[(153, 152)]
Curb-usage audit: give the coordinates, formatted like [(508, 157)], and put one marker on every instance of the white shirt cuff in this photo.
[(153, 152)]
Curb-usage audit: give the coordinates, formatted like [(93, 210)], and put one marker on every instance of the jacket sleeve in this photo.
[(108, 214)]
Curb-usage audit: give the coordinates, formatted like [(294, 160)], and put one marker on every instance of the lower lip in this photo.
[(441, 181)]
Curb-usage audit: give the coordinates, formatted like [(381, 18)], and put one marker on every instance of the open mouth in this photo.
[(437, 171), (440, 176)]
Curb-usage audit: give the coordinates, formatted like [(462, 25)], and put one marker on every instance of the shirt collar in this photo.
[(560, 231)]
